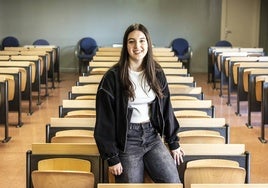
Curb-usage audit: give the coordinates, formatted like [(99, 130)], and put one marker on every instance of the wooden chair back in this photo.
[(81, 114), (183, 97), (202, 139), (99, 64), (62, 179), (76, 132), (198, 133), (213, 171), (191, 114), (258, 88), (212, 162), (175, 71), (73, 136), (98, 71), (213, 175), (77, 108), (52, 172), (12, 70), (71, 164), (249, 71), (90, 79), (11, 85), (201, 122)]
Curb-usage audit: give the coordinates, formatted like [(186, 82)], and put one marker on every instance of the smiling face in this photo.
[(137, 47)]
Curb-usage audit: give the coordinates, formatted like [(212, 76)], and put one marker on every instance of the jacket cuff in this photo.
[(173, 145), (113, 161)]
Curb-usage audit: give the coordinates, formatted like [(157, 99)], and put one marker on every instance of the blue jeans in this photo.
[(146, 151)]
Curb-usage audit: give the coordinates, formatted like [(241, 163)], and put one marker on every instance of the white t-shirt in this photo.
[(143, 97)]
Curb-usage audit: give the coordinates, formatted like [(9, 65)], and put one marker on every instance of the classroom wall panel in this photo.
[(64, 22)]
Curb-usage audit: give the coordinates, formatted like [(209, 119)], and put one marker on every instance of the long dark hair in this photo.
[(149, 65)]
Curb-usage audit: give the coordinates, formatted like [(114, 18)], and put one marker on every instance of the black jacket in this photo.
[(113, 116)]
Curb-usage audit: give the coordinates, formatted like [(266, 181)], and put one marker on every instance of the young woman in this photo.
[(133, 114)]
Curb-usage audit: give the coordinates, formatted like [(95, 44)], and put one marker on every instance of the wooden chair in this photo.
[(76, 113), (241, 67), (211, 52), (6, 92), (26, 78), (98, 71), (191, 114), (198, 132), (160, 53), (109, 49), (14, 105), (5, 69), (192, 107), (104, 64), (175, 71), (161, 49), (221, 61), (234, 152), (211, 124), (171, 64), (212, 162), (91, 79), (37, 71), (75, 132), (166, 58), (70, 107), (63, 172), (213, 171), (258, 86), (183, 97), (263, 95), (44, 151), (227, 63), (253, 77), (201, 138), (106, 58), (83, 92), (62, 179), (45, 60), (183, 80), (235, 78), (182, 90), (72, 139), (55, 50), (108, 53), (61, 124), (216, 57), (71, 164), (48, 70), (10, 85)]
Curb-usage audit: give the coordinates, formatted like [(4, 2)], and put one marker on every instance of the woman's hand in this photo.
[(177, 155), (116, 169)]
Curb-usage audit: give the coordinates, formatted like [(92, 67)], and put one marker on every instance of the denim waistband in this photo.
[(138, 126)]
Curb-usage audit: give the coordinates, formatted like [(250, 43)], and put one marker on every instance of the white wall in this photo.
[(64, 22)]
